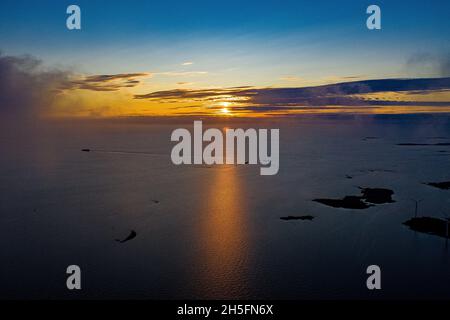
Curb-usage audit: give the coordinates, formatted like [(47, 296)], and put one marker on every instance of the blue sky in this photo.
[(220, 35)]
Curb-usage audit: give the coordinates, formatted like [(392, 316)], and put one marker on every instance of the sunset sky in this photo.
[(223, 58)]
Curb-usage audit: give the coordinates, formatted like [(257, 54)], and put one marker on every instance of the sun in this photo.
[(225, 111)]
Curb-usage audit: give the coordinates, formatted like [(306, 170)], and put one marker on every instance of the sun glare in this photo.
[(225, 111)]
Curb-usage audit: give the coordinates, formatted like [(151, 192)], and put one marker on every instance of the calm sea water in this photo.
[(216, 232)]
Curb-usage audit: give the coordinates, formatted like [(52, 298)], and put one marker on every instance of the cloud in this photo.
[(111, 77), (291, 78), (346, 94), (177, 94), (187, 63), (30, 90), (445, 65), (27, 88), (336, 79), (109, 82), (425, 62), (181, 74)]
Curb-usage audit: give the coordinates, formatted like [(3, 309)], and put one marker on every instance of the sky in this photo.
[(127, 50)]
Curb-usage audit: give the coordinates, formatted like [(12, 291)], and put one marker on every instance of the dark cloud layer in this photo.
[(107, 82), (341, 94)]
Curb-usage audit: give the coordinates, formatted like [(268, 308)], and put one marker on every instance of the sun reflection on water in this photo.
[(223, 236)]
